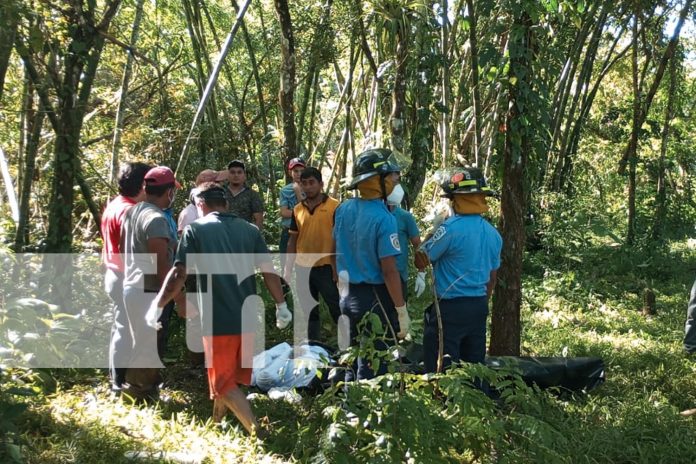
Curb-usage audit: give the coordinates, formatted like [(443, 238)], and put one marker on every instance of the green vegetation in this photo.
[(581, 113), (584, 304)]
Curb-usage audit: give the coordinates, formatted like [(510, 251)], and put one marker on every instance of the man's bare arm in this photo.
[(285, 212), (272, 281), (258, 219), (171, 289)]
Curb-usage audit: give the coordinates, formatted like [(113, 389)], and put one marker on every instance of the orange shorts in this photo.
[(228, 364)]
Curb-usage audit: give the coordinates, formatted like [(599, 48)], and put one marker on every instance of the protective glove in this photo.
[(283, 315), (420, 284), (404, 321), (152, 316)]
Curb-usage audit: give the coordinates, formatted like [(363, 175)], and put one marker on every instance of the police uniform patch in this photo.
[(439, 233), (395, 241)]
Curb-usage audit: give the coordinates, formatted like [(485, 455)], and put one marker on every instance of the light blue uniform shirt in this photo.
[(365, 232), (289, 199), (464, 250), (407, 227)]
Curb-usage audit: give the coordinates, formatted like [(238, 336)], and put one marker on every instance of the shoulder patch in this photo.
[(394, 238), (439, 233)]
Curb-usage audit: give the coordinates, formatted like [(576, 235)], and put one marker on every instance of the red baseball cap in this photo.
[(296, 162), (161, 175)]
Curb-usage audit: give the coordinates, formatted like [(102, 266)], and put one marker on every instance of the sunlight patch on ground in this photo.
[(620, 341), (180, 435)]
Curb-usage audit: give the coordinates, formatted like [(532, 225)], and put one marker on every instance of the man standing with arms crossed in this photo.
[(227, 343)]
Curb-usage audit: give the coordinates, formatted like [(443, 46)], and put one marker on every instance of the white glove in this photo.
[(152, 316), (420, 284), (283, 315), (404, 321)]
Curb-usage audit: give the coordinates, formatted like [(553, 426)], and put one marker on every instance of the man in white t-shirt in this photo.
[(189, 213)]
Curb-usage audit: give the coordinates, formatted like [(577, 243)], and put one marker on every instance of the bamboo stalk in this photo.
[(212, 80)]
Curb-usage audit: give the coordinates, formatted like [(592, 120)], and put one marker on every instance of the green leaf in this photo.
[(78, 47), (14, 452)]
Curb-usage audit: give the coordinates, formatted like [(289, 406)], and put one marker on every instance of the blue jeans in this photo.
[(464, 332)]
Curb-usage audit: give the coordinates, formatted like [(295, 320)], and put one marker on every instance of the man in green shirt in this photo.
[(225, 249)]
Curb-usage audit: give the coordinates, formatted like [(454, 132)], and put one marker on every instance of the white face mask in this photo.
[(396, 196), (172, 199)]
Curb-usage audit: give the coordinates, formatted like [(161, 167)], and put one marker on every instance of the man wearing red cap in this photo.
[(290, 195), (146, 232)]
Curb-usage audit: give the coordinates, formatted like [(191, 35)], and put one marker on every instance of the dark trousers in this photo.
[(320, 283), (283, 246), (120, 342), (464, 331), (690, 327), (364, 299)]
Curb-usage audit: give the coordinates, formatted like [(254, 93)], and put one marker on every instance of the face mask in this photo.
[(172, 199), (396, 196)]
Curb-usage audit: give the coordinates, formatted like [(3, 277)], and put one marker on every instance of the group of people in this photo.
[(353, 254)]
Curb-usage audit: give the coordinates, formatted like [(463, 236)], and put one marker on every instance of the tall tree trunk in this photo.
[(80, 67), (349, 104), (212, 80), (123, 97), (32, 149), (312, 116), (80, 63), (397, 116), (422, 129), (635, 128), (445, 85), (631, 148), (661, 196), (9, 19), (565, 83), (580, 90), (579, 122), (313, 69), (286, 95), (476, 92), (505, 320), (255, 71)]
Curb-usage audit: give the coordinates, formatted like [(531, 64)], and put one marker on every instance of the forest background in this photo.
[(579, 113)]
